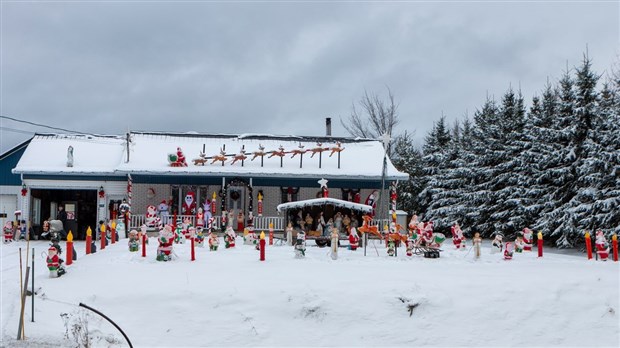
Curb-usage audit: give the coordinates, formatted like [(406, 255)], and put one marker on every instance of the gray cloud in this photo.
[(281, 67)]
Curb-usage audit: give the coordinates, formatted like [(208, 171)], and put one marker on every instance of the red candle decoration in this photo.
[(540, 244), (193, 253), (589, 245), (102, 235), (262, 246), (260, 204), (614, 243), (213, 202), (144, 245), (89, 239), (69, 248), (113, 231), (271, 233)]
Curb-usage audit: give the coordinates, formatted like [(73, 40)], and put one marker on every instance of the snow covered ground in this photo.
[(230, 298)]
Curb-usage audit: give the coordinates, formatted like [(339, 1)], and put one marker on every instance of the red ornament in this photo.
[(101, 193), (24, 191)]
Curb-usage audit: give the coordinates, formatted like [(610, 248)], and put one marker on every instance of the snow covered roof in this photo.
[(360, 159), (92, 154), (324, 201)]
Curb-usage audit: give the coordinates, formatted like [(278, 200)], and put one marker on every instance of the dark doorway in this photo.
[(81, 207)]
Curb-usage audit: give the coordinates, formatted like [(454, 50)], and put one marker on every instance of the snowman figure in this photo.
[(300, 245), (497, 245)]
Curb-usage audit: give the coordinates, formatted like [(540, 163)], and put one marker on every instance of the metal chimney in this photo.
[(328, 126)]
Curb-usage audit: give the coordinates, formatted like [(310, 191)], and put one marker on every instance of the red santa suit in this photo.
[(371, 200), (200, 218), (53, 261), (189, 204), (527, 239), (457, 236), (240, 221), (353, 239), (602, 247)]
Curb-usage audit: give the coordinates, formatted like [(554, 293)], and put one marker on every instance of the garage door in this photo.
[(8, 205)]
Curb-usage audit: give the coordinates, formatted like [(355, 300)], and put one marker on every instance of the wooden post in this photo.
[(589, 245), (69, 248)]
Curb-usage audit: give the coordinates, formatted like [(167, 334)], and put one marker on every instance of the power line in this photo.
[(16, 130), (41, 125)]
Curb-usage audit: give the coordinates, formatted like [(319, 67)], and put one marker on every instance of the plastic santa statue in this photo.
[(354, 239), (152, 218), (165, 239), (8, 231), (411, 243), (371, 200), (519, 244), (497, 245), (602, 247), (189, 204), (527, 239), (133, 242), (54, 263), (213, 241), (457, 236), (200, 218), (509, 251), (199, 239), (229, 237), (188, 227), (427, 233), (300, 245)]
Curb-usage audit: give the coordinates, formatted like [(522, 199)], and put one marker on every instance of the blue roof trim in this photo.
[(256, 181), (8, 161), (62, 177)]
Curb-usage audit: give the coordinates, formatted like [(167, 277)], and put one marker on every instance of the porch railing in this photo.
[(261, 223)]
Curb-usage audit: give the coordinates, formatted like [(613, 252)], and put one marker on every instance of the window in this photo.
[(178, 193), (289, 194)]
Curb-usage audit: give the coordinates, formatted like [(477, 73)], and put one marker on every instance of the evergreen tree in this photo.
[(407, 158)]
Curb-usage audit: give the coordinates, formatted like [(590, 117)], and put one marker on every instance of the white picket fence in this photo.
[(261, 223)]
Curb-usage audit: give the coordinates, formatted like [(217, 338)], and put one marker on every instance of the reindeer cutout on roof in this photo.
[(260, 153), (336, 149), (318, 149), (240, 156), (221, 157), (299, 151), (279, 152)]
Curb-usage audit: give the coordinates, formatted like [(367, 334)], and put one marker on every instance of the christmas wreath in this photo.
[(234, 195)]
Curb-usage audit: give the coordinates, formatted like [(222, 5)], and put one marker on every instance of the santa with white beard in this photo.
[(189, 204)]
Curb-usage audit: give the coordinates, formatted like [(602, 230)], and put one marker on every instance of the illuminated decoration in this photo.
[(101, 192)]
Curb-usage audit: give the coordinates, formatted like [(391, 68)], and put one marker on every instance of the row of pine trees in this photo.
[(554, 167)]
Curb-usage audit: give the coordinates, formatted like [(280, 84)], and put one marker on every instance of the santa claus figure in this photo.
[(602, 247), (189, 204), (357, 197), (427, 233), (8, 231), (509, 251), (527, 239), (53, 262), (354, 239), (200, 218), (457, 237), (497, 245), (152, 219), (371, 200), (165, 239), (229, 238), (187, 228)]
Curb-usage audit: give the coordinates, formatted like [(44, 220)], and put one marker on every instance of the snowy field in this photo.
[(230, 298)]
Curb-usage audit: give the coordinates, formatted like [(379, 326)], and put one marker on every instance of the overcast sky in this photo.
[(281, 68)]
